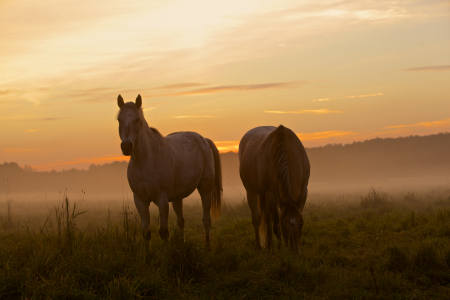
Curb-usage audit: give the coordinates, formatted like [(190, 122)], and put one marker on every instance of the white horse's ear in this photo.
[(138, 101), (120, 101)]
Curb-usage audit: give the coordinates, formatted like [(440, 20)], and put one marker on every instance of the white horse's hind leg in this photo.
[(178, 209), (142, 208), (206, 195)]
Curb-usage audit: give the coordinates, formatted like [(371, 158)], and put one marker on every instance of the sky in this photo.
[(332, 71)]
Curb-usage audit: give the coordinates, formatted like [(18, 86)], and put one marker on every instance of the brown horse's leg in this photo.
[(263, 200), (163, 204), (273, 208), (178, 209), (272, 215), (252, 200), (142, 207)]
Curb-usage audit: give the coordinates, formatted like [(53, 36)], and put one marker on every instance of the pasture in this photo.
[(373, 245)]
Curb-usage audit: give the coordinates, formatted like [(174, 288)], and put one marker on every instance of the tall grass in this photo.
[(348, 252), (8, 219)]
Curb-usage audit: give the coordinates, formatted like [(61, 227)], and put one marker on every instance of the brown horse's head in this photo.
[(291, 222), (130, 122)]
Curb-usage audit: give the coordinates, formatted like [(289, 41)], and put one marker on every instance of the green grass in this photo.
[(393, 248)]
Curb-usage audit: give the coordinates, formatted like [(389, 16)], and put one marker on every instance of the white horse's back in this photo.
[(193, 162)]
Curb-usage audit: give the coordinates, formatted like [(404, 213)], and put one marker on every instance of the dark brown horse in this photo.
[(274, 169)]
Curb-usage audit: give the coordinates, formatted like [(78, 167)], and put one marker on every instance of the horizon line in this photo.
[(230, 151)]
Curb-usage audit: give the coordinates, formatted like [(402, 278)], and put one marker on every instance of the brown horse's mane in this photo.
[(281, 159)]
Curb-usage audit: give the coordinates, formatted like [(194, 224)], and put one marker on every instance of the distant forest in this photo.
[(389, 158)]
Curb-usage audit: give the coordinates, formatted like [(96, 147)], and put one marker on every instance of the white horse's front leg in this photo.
[(163, 205), (142, 207), (178, 209)]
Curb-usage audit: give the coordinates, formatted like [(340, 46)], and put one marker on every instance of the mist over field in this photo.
[(406, 163)]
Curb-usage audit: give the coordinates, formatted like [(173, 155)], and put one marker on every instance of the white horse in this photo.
[(168, 169)]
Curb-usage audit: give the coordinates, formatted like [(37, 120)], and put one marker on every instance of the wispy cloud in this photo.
[(440, 123), (182, 117), (429, 68), (241, 88), (163, 91), (305, 111), (50, 119), (21, 150), (348, 97), (323, 135), (148, 108), (178, 86), (6, 92), (32, 130)]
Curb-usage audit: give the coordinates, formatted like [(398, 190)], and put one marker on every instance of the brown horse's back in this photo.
[(268, 154)]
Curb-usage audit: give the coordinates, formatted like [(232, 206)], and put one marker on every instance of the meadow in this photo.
[(372, 245)]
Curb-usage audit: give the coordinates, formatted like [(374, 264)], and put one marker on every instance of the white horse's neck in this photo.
[(148, 146)]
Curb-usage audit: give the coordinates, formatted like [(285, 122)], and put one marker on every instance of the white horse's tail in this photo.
[(217, 189)]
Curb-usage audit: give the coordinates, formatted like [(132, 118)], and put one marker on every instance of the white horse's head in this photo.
[(130, 122)]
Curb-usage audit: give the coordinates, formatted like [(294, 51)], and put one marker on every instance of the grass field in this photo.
[(377, 246)]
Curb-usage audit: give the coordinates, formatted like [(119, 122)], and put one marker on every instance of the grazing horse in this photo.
[(274, 169), (168, 169)]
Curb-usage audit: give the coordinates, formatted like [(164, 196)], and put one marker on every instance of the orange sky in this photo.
[(332, 71)]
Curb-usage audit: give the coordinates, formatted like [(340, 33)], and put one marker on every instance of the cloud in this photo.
[(21, 150), (51, 119), (182, 117), (347, 97), (430, 68), (241, 88), (178, 86), (7, 92), (148, 108), (323, 135), (32, 130), (441, 123), (147, 93), (305, 111)]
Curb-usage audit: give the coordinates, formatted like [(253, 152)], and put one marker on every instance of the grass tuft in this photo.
[(185, 260), (374, 198), (426, 257), (397, 260)]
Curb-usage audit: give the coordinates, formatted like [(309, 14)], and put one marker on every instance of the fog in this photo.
[(414, 164)]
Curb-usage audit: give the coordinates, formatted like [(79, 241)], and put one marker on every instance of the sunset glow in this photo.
[(333, 72)]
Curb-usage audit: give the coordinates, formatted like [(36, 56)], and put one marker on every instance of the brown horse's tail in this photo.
[(217, 188), (262, 209)]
